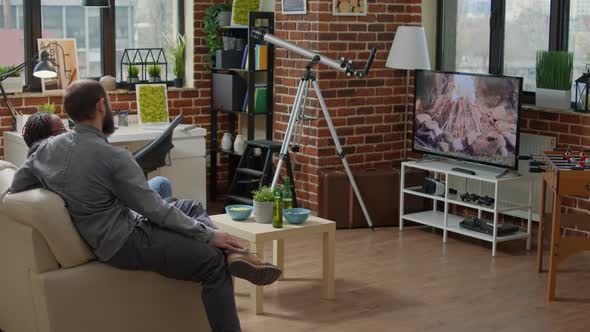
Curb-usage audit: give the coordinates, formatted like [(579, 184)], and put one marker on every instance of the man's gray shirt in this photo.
[(104, 190)]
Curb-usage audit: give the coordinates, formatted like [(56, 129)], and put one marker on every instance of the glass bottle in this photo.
[(287, 194), (277, 213)]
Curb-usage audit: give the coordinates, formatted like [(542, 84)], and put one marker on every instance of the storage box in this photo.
[(228, 92), (228, 59), (380, 192)]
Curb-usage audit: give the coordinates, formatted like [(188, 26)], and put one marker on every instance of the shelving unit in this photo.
[(267, 20), (449, 222)]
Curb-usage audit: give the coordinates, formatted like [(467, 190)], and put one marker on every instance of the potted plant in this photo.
[(177, 53), (154, 73), (49, 108), (13, 83), (263, 204), (133, 74), (211, 24), (554, 79)]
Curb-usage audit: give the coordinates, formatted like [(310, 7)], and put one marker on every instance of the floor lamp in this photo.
[(408, 52)]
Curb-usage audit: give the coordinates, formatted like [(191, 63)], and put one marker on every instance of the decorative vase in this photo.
[(240, 144), (226, 143), (178, 82), (556, 99), (13, 84), (263, 212), (109, 83), (224, 18)]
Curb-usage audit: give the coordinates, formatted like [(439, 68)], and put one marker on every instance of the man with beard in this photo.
[(124, 222)]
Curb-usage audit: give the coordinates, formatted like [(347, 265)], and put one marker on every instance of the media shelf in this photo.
[(449, 222)]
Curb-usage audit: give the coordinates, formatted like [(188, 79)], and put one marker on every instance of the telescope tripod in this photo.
[(295, 124)]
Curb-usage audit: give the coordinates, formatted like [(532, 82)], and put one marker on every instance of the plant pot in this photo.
[(556, 99), (154, 79), (178, 82), (13, 84), (224, 18), (263, 212), (133, 80)]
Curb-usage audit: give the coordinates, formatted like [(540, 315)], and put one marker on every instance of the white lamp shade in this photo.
[(409, 50)]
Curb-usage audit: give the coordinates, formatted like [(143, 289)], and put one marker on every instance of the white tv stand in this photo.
[(450, 222)]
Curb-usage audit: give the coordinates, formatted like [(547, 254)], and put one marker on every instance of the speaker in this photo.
[(433, 187)]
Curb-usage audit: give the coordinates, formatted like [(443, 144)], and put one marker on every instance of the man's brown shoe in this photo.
[(248, 267)]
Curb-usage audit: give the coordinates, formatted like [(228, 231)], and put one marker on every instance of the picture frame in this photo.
[(292, 7), (152, 105), (350, 7), (240, 9), (64, 54)]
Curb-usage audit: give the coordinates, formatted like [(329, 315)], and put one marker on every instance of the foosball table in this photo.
[(566, 173)]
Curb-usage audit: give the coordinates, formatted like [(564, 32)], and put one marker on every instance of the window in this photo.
[(100, 36), (526, 31), (80, 23), (517, 30), (579, 36), (466, 44), (143, 24), (11, 34)]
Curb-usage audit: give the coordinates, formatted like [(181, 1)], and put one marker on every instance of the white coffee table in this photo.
[(257, 234)]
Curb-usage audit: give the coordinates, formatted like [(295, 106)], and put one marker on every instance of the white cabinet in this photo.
[(188, 168)]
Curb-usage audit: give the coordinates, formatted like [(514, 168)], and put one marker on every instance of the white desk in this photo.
[(187, 172)]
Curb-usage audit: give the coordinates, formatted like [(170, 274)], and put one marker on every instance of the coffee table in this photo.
[(258, 234)]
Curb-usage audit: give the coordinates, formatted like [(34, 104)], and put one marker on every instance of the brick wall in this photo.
[(367, 113), (571, 131)]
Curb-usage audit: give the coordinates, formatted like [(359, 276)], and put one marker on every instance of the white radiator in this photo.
[(530, 144)]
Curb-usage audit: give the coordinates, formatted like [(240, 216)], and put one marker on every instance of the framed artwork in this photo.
[(349, 7), (240, 10), (152, 104), (294, 6), (63, 53)]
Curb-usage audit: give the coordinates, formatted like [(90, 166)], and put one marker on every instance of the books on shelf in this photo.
[(260, 96), (261, 57)]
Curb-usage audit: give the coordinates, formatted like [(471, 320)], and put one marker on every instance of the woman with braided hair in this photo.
[(43, 125)]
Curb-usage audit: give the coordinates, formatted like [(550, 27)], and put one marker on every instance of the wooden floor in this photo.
[(410, 281)]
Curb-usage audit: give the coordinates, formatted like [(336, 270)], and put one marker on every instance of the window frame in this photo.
[(32, 32), (558, 35)]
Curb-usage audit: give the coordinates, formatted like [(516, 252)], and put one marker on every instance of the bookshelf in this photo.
[(252, 77)]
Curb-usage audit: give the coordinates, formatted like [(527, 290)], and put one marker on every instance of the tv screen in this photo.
[(467, 116)]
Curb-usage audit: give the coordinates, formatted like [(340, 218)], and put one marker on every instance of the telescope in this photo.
[(342, 64), (297, 116)]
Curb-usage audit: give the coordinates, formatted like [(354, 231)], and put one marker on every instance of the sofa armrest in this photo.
[(23, 253)]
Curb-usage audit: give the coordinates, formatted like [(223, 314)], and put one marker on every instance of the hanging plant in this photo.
[(211, 27)]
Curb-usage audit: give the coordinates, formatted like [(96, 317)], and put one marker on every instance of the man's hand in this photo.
[(226, 241)]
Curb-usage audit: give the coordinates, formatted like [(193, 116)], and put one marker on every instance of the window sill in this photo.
[(61, 93), (528, 107)]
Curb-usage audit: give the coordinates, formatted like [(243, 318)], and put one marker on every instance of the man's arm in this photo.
[(131, 187)]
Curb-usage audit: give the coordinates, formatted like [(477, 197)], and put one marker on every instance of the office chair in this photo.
[(156, 154)]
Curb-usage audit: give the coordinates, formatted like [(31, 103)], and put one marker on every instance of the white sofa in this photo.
[(50, 281)]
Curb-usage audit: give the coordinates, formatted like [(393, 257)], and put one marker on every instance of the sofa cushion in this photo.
[(46, 212), (6, 174)]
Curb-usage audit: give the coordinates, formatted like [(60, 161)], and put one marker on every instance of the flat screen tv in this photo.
[(468, 117)]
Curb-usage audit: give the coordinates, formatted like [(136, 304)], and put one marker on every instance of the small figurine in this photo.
[(567, 155), (582, 156)]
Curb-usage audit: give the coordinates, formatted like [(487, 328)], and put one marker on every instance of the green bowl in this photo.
[(239, 212), (296, 216)]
